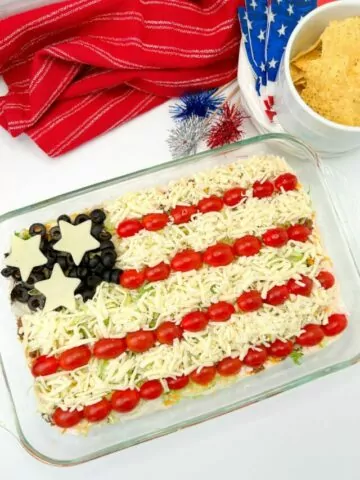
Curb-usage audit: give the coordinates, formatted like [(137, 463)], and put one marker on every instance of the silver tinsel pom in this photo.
[(185, 136)]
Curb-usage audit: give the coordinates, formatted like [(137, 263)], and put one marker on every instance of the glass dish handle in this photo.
[(7, 414)]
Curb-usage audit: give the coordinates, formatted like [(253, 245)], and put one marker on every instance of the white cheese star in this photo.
[(253, 4), (261, 35), (262, 66), (290, 10), (272, 63), (282, 30), (76, 239), (58, 290), (25, 255), (271, 16)]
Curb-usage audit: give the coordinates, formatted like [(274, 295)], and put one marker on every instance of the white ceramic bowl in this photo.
[(294, 115)]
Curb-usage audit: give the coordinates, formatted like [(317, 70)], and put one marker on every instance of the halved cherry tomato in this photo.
[(66, 418), (128, 228), (299, 233), (161, 271), (275, 237), (45, 366), (194, 321), (220, 311), (255, 358), (167, 332), (210, 204), (337, 323), (204, 376), (155, 221), (263, 189), (183, 213), (186, 260), (75, 357), (326, 279), (132, 279), (229, 366), (218, 255), (98, 411), (311, 336), (124, 401), (247, 246), (107, 348), (140, 341), (277, 295), (280, 349), (301, 287), (250, 301), (178, 383), (286, 181), (234, 196), (151, 389)]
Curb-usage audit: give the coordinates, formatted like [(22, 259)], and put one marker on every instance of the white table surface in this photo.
[(310, 432)]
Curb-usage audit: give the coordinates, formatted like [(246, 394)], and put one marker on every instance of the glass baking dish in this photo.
[(46, 443)]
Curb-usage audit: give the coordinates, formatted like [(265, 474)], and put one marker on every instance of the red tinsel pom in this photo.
[(228, 126)]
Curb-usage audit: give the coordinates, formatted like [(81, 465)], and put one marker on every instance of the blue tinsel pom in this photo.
[(200, 104)]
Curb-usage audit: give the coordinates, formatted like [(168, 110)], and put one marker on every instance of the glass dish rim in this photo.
[(206, 416)]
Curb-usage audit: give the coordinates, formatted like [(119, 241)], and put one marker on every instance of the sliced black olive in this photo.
[(72, 272), (115, 274), (7, 272), (98, 216), (82, 272), (46, 272), (88, 294), (37, 229), (33, 278), (64, 218), (55, 233), (107, 276), (96, 229), (36, 302), (16, 274), (108, 258), (85, 260), (94, 261), (107, 245), (104, 235), (82, 217), (20, 293), (62, 261), (99, 269), (93, 281)]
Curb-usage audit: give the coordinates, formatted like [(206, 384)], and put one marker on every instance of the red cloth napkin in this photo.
[(80, 68)]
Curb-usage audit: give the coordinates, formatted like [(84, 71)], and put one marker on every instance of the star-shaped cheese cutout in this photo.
[(76, 239), (59, 290), (25, 255)]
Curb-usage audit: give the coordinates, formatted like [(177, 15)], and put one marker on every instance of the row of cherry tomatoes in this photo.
[(124, 401), (142, 340), (182, 213), (218, 255)]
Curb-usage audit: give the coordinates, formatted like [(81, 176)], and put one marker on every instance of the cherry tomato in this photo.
[(218, 255), (255, 358), (183, 213), (155, 221), (263, 189), (167, 332), (301, 287), (280, 349), (151, 389), (229, 366), (194, 321), (107, 348), (178, 383), (158, 272), (128, 228), (337, 323), (204, 376), (220, 311), (234, 196), (277, 295), (275, 237), (132, 279), (98, 411), (299, 233), (247, 246), (124, 401), (250, 301), (140, 341), (326, 279), (210, 204), (286, 181), (312, 335), (65, 418), (186, 260), (45, 366), (75, 357)]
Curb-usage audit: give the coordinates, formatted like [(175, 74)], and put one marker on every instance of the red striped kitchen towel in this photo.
[(80, 68)]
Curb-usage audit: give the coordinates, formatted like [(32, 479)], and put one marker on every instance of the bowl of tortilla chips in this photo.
[(318, 91)]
